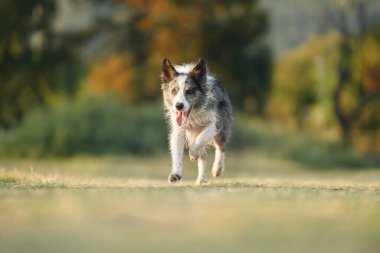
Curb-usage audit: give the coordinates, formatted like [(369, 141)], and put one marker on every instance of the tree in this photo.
[(351, 20), (229, 34), (303, 80), (31, 58), (233, 36)]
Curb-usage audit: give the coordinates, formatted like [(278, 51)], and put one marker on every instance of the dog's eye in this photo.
[(174, 91), (190, 91)]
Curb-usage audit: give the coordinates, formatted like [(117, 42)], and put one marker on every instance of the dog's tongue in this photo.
[(181, 118)]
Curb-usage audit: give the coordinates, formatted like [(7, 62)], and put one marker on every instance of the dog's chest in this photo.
[(200, 119)]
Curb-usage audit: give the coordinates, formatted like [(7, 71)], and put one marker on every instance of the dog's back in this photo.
[(223, 110)]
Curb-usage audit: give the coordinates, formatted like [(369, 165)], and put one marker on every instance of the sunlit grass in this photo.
[(15, 179), (125, 204)]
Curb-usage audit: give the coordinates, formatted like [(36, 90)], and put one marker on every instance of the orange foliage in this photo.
[(173, 29), (177, 30), (113, 74), (372, 77), (171, 32), (371, 64)]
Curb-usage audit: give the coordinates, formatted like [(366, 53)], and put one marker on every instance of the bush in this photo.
[(302, 147), (91, 125)]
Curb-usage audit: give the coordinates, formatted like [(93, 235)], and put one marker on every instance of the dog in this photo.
[(199, 114)]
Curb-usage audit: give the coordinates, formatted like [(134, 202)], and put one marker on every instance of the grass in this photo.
[(124, 204)]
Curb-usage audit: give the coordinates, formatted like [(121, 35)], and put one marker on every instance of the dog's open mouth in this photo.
[(182, 117)]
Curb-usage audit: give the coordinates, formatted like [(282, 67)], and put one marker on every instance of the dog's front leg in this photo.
[(177, 145), (198, 151), (202, 168), (198, 148)]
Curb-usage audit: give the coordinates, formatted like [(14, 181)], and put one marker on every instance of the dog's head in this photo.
[(184, 88)]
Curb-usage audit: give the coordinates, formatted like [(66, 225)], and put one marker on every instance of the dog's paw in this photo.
[(192, 157), (201, 180), (217, 171), (196, 153), (173, 177), (193, 154)]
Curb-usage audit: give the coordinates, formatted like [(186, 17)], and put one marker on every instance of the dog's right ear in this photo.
[(168, 71)]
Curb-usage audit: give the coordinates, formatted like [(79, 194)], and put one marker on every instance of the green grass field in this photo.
[(124, 204)]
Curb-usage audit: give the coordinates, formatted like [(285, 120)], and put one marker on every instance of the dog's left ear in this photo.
[(199, 70)]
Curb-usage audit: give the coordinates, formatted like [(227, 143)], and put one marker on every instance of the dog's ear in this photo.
[(199, 70), (168, 71)]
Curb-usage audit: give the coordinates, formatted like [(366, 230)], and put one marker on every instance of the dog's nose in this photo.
[(179, 106)]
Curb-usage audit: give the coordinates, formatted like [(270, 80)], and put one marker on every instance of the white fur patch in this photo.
[(202, 169), (180, 97), (186, 68)]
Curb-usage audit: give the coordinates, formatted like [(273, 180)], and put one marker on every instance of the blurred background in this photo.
[(83, 140), (82, 77)]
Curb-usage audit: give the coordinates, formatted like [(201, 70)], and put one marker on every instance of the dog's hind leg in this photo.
[(218, 166), (202, 168)]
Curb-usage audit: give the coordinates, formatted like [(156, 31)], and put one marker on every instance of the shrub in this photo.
[(91, 125)]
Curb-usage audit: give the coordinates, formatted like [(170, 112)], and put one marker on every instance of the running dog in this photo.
[(199, 114)]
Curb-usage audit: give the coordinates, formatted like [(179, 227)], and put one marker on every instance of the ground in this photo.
[(125, 204)]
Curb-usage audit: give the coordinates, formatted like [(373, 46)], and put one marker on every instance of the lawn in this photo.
[(124, 204)]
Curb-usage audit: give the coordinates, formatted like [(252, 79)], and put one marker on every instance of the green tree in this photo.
[(31, 58), (333, 80), (352, 21), (303, 81), (233, 36)]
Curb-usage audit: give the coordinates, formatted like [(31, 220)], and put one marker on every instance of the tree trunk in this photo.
[(344, 123), (346, 120)]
